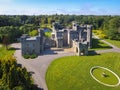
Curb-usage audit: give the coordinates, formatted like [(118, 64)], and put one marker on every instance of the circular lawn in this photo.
[(73, 72), (104, 76)]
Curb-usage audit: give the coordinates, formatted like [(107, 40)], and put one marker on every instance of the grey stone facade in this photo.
[(80, 48), (32, 45)]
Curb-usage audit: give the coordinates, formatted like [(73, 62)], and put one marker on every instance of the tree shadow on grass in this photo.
[(97, 44)]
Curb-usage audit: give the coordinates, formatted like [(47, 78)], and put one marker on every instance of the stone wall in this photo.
[(80, 48), (32, 45)]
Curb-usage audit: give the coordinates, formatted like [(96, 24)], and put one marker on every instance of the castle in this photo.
[(79, 38)]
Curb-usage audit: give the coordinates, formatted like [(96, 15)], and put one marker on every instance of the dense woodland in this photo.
[(14, 26)]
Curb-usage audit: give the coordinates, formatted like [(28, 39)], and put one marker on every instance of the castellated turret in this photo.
[(75, 26), (89, 35)]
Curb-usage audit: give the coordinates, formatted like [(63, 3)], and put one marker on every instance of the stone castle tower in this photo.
[(32, 45), (89, 35)]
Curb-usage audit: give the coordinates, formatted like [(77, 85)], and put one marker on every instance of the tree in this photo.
[(113, 28), (33, 33), (14, 77), (6, 41)]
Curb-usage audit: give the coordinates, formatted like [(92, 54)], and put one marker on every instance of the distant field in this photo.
[(114, 42), (46, 26), (73, 72)]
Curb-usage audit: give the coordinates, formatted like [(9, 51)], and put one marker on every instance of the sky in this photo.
[(49, 7)]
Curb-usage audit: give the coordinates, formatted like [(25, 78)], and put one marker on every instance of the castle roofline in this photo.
[(31, 38)]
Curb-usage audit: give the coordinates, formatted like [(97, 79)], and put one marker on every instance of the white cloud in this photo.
[(18, 10)]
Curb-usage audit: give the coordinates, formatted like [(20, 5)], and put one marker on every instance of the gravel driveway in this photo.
[(38, 66)]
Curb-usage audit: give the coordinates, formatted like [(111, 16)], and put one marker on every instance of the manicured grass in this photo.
[(98, 45), (109, 79), (114, 42), (5, 53), (100, 34), (73, 72)]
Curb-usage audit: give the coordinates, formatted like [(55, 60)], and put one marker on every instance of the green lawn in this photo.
[(98, 45), (114, 42), (5, 53), (110, 78), (100, 34), (73, 72)]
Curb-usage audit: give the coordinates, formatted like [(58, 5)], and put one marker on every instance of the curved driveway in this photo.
[(38, 66)]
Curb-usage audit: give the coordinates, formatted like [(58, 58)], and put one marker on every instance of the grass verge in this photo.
[(5, 53), (114, 42), (99, 45), (72, 73)]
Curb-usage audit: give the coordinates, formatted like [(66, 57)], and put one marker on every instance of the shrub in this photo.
[(32, 56), (26, 56)]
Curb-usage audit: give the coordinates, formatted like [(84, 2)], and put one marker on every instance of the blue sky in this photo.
[(78, 7)]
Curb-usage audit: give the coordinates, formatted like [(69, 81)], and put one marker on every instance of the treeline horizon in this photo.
[(16, 25), (54, 14)]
